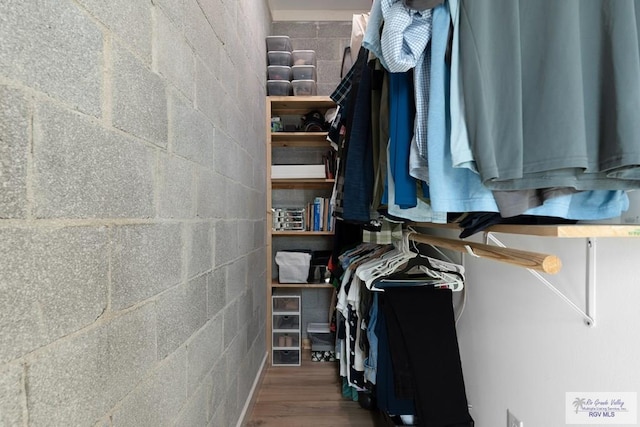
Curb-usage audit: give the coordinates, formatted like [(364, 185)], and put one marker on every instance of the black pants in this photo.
[(421, 328)]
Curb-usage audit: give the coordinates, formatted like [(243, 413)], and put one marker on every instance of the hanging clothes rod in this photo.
[(542, 262)]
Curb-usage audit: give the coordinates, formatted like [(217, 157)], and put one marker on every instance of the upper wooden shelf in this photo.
[(299, 139), (302, 233), (564, 231), (576, 230), (275, 284), (291, 183), (299, 104)]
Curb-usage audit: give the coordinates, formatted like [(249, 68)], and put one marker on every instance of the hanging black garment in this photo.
[(358, 174), (424, 322)]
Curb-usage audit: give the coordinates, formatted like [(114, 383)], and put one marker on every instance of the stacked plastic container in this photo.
[(290, 71), (304, 72), (279, 68)]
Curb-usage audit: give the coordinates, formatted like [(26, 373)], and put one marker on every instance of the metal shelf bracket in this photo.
[(589, 314)]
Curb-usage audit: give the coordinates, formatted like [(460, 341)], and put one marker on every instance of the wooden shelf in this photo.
[(302, 233), (299, 139), (570, 231), (302, 285), (561, 231), (299, 104), (293, 145), (291, 183)]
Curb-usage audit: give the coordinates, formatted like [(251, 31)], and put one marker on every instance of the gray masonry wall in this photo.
[(327, 38), (132, 263)]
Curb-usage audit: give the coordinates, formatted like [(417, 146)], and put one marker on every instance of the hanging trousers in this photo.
[(387, 397), (423, 322)]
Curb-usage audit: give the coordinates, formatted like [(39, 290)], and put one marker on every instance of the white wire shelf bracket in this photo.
[(589, 313)]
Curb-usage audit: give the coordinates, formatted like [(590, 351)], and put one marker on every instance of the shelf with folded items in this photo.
[(299, 177)]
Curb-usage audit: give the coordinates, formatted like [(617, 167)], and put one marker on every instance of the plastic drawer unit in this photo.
[(285, 342)]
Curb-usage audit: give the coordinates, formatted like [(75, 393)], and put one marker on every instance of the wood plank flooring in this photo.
[(306, 396)]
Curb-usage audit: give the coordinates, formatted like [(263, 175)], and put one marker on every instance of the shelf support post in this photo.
[(589, 315), (591, 282)]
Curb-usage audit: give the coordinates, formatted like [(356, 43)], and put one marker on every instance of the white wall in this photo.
[(523, 348)]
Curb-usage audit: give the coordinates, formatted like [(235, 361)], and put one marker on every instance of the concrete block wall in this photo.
[(327, 38), (132, 223)]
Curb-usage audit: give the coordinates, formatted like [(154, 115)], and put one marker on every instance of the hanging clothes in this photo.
[(358, 174), (552, 92), (423, 340), (459, 189), (451, 189)]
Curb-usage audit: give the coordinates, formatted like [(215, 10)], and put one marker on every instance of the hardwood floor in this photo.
[(308, 395)]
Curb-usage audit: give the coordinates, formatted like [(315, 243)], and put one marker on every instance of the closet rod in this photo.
[(542, 262)]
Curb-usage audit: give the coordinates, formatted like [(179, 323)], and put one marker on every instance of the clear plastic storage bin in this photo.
[(304, 72), (279, 72), (278, 87), (304, 57), (322, 339), (278, 43), (304, 87), (279, 57)]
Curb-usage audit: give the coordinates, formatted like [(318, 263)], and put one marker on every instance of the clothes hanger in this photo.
[(400, 255), (400, 270)]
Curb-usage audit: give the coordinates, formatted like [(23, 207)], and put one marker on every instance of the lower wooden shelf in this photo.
[(301, 285)]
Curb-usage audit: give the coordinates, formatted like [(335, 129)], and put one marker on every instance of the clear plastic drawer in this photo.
[(286, 340), (286, 304), (290, 321), (286, 357)]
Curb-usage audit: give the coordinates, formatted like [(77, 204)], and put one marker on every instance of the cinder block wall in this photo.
[(327, 38), (132, 262)]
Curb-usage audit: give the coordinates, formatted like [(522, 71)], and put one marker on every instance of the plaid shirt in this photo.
[(341, 94), (403, 45), (389, 232)]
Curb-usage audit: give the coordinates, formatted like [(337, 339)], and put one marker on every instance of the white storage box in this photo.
[(293, 267), (298, 171)]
